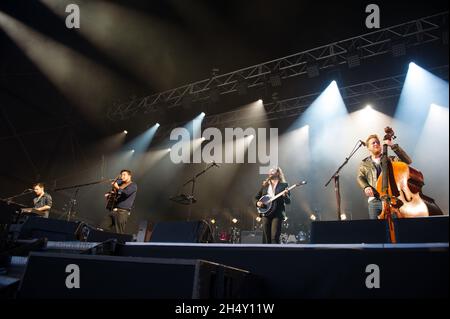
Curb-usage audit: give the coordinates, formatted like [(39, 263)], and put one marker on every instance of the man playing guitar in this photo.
[(273, 185), (120, 202)]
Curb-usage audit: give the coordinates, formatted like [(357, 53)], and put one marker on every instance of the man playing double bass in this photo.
[(370, 170)]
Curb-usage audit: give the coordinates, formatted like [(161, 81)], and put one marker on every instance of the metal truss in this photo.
[(357, 94), (409, 34)]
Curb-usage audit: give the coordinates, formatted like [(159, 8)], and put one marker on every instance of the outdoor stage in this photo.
[(159, 270)]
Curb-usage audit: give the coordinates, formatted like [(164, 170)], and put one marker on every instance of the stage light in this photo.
[(132, 151), (169, 150), (261, 101), (234, 220), (343, 217), (202, 114), (125, 132), (312, 70), (398, 49), (258, 219), (312, 217), (213, 221), (157, 125), (368, 107), (412, 65)]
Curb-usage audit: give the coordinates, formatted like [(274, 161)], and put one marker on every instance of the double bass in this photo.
[(400, 189)]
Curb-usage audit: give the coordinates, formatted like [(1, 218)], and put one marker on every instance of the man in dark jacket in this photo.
[(370, 169), (126, 190), (273, 185)]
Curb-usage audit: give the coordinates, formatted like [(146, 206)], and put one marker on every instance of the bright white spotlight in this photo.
[(343, 217), (132, 151), (261, 101), (169, 150), (213, 221), (157, 125), (312, 217), (202, 114), (125, 132), (368, 107), (412, 64), (234, 220), (203, 138), (258, 219)]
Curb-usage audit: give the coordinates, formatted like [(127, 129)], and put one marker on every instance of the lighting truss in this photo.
[(356, 94), (412, 33)]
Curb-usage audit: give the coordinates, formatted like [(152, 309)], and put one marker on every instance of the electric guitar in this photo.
[(269, 204)]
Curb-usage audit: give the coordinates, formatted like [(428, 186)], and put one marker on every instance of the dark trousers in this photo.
[(271, 229), (115, 221), (375, 208)]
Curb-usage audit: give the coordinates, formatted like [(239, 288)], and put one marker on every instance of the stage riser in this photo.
[(324, 273), (103, 277), (407, 230)]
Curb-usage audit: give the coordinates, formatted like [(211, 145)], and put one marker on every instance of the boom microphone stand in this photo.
[(335, 176), (190, 199)]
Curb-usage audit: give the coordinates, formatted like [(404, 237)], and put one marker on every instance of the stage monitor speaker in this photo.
[(182, 232), (251, 237), (52, 229), (349, 232), (92, 234), (65, 276), (433, 229)]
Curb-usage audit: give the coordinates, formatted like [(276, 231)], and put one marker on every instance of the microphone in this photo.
[(364, 144)]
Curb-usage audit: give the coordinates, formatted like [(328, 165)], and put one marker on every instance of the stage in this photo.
[(258, 270)]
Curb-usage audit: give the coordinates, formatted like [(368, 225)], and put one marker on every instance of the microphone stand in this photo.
[(181, 199), (335, 176), (73, 201), (9, 199)]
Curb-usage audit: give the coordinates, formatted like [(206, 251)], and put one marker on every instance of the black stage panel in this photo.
[(323, 271), (432, 229), (349, 232), (67, 276)]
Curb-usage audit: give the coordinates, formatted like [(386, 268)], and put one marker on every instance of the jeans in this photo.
[(375, 208), (272, 229)]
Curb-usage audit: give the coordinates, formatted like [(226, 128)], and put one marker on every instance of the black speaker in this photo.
[(349, 232), (182, 232), (52, 229), (92, 234), (62, 276), (433, 229)]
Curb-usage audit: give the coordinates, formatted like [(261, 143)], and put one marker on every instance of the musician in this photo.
[(370, 170), (42, 202), (126, 190), (273, 185)]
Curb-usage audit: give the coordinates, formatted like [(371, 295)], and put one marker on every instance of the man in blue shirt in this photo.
[(124, 192)]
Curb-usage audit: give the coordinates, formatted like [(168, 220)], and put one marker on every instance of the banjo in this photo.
[(269, 204)]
